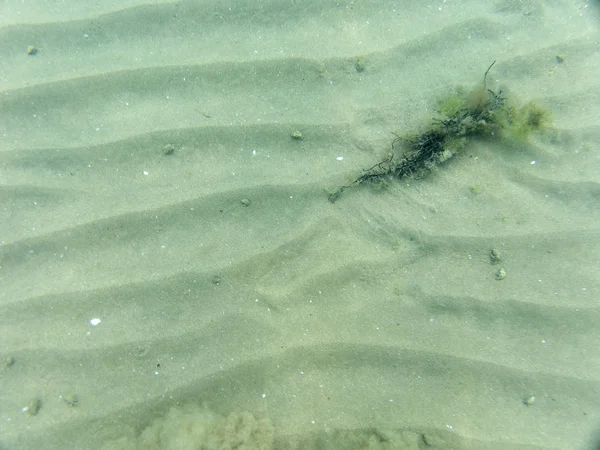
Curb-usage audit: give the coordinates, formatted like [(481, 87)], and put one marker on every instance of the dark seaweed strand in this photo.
[(424, 151)]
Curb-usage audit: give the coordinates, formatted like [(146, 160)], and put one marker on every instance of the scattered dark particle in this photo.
[(71, 400)]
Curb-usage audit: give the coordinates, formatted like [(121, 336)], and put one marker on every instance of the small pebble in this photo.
[(495, 256), (360, 65), (501, 274), (297, 135), (34, 406), (528, 401), (8, 362), (245, 202), (168, 149), (32, 51)]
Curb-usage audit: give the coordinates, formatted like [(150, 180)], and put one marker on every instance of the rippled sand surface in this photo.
[(172, 275)]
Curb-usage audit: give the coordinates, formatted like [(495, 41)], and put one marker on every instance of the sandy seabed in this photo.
[(172, 275)]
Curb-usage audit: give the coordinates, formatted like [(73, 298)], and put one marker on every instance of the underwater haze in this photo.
[(173, 274)]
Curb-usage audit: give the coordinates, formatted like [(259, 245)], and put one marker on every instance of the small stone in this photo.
[(528, 401), (245, 202), (32, 50), (8, 362), (501, 274), (34, 406), (445, 155), (431, 440), (495, 256), (360, 65), (297, 135), (168, 149)]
